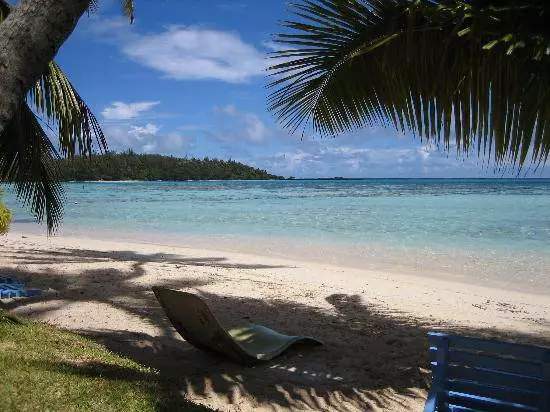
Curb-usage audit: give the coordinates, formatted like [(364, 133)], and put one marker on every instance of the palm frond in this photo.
[(27, 156), (27, 161), (54, 98), (424, 66), (128, 8)]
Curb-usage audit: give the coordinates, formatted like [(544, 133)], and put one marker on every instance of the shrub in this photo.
[(5, 218)]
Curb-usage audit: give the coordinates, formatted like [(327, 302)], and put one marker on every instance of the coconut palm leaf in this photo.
[(27, 156), (26, 153), (54, 98), (467, 74), (27, 160), (128, 8)]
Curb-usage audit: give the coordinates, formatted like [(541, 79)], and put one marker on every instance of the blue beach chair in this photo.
[(481, 375), (12, 288)]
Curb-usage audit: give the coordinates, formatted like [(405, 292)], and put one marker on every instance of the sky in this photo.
[(189, 78)]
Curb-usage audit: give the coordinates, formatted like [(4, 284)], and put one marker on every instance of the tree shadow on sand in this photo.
[(372, 358), (64, 256)]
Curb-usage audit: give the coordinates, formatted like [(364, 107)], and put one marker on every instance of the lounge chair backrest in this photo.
[(201, 328), (475, 374)]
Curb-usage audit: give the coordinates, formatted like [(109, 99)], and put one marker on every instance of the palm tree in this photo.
[(481, 67), (27, 155)]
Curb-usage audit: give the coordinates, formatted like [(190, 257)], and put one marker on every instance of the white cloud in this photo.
[(146, 138), (249, 125), (425, 152), (232, 6), (139, 132), (175, 140), (255, 130), (324, 158), (125, 111), (274, 46), (187, 52), (149, 147), (228, 109), (125, 136), (111, 28), (354, 164), (292, 161), (117, 136), (192, 53)]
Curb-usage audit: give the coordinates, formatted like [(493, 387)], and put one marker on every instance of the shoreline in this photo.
[(492, 179), (332, 271), (373, 322), (519, 272)]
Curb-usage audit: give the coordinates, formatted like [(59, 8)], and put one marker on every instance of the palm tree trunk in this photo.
[(29, 39)]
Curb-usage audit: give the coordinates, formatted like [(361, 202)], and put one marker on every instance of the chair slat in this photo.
[(519, 367), (457, 408), (497, 378), (498, 348), (526, 398), (499, 364), (473, 374), (9, 293), (484, 404), (11, 286), (18, 293)]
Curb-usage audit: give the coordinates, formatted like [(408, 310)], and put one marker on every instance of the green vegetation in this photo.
[(132, 166), (43, 368), (5, 217), (27, 155), (467, 75)]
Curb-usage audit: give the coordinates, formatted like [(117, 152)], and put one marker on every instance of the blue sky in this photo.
[(188, 79)]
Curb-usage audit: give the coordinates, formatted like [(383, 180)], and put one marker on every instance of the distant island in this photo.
[(133, 166)]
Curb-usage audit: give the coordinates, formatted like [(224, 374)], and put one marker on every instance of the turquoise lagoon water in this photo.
[(500, 228)]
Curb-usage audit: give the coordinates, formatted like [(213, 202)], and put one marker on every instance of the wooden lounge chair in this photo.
[(195, 322), (481, 375)]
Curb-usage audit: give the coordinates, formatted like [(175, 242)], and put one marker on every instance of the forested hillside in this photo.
[(132, 166)]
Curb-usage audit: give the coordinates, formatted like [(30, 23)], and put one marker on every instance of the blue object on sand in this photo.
[(483, 375), (9, 279), (10, 287)]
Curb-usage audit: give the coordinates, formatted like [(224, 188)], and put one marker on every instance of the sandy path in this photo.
[(373, 323)]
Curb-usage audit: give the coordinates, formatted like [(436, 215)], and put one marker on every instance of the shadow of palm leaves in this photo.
[(372, 359), (38, 256), (162, 389)]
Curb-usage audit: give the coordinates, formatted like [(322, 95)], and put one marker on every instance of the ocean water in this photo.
[(499, 229)]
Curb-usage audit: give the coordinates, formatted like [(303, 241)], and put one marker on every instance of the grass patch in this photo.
[(44, 368)]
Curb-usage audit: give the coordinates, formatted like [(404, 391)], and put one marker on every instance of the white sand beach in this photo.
[(373, 322)]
